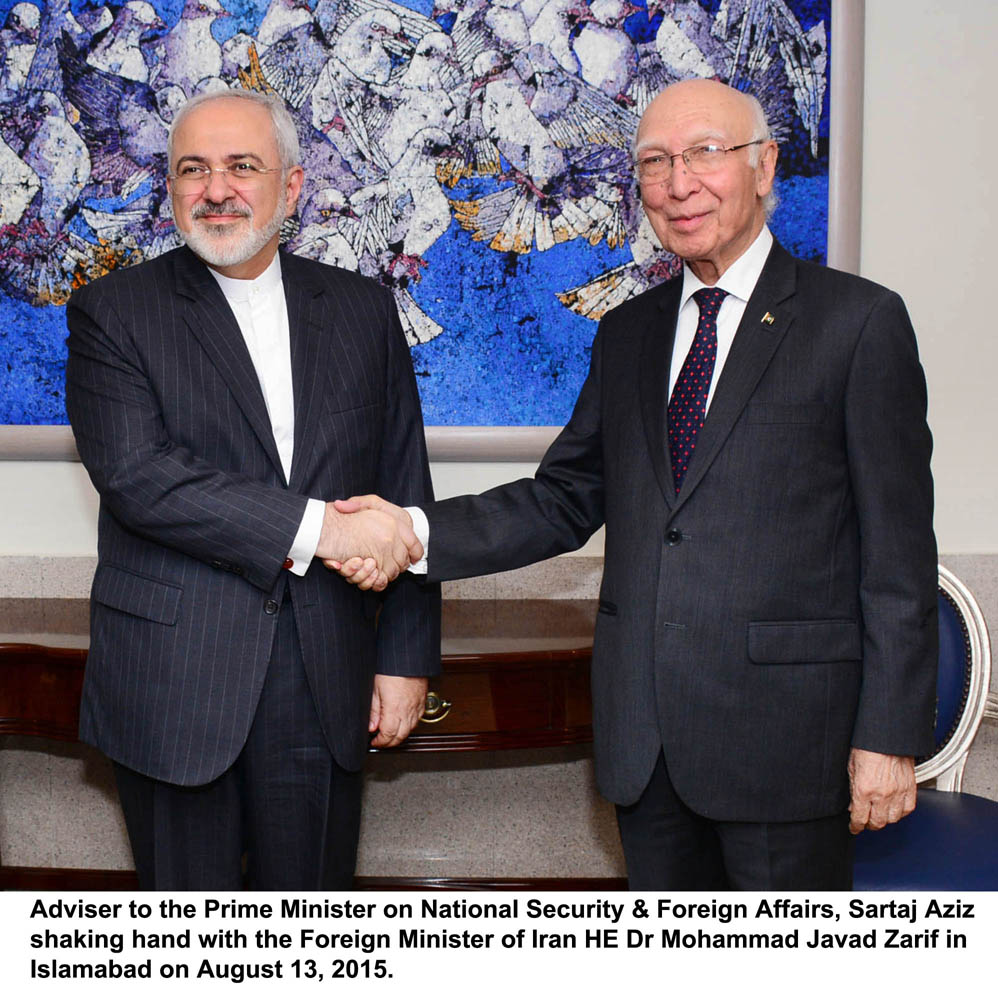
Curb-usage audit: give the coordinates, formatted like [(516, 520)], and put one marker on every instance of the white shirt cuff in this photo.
[(421, 526), (303, 548)]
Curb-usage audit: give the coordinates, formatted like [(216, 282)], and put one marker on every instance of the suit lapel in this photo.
[(656, 357), (754, 345), (309, 359), (210, 319)]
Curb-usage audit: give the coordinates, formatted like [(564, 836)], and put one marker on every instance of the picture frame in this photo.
[(528, 443)]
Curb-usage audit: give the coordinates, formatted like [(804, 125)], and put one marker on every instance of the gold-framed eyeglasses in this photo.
[(193, 176), (699, 160)]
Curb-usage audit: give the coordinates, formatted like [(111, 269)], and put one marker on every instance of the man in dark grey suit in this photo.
[(765, 647), (221, 396)]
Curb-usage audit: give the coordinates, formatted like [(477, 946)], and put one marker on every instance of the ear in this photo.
[(765, 171), (294, 181)]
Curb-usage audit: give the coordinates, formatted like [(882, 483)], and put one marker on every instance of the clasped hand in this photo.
[(369, 541)]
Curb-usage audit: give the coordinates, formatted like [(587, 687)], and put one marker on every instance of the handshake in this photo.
[(368, 541)]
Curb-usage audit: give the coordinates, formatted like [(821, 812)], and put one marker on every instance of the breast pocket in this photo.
[(784, 413), (347, 451)]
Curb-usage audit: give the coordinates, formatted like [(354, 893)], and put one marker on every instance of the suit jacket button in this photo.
[(673, 536), (271, 607)]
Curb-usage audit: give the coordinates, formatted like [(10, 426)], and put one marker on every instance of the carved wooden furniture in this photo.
[(494, 693)]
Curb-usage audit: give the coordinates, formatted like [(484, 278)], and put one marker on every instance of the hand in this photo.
[(883, 789), (397, 703), (362, 573), (373, 535), (365, 573)]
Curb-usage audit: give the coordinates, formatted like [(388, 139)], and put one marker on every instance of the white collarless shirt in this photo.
[(739, 282), (261, 311)]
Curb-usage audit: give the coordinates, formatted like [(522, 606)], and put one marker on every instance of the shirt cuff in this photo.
[(421, 526), (302, 550)]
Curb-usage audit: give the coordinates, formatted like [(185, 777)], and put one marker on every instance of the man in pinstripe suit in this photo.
[(221, 396)]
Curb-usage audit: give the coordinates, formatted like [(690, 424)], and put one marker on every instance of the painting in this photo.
[(474, 156)]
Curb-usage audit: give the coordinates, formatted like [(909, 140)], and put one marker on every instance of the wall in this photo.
[(928, 207), (929, 214)]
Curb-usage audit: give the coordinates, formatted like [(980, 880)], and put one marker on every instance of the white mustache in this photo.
[(227, 208)]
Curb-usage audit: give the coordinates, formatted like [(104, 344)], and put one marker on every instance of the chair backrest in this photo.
[(962, 686)]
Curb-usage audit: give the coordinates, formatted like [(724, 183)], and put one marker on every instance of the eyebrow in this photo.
[(653, 145), (241, 156)]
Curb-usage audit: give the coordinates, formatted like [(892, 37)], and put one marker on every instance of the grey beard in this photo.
[(221, 247)]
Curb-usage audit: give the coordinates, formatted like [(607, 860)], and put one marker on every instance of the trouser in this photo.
[(669, 846), (284, 807)]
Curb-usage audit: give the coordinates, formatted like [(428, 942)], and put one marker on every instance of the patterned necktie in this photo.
[(688, 403)]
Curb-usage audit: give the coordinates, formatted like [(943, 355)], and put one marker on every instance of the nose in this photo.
[(217, 187), (681, 181)]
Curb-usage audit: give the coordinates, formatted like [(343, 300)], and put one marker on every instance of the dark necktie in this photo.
[(689, 397)]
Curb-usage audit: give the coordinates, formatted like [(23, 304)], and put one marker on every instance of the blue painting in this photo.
[(472, 155)]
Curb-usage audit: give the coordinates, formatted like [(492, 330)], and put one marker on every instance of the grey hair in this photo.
[(285, 134), (760, 132)]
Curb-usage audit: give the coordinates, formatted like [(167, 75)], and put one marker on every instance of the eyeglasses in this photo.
[(700, 160), (243, 175)]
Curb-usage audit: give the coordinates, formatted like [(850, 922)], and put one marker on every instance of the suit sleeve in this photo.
[(153, 486), (532, 519), (409, 622), (889, 448)]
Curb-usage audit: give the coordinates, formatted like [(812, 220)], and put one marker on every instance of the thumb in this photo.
[(359, 502), (375, 716)]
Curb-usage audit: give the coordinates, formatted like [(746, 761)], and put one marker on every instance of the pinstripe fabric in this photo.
[(284, 801), (195, 519)]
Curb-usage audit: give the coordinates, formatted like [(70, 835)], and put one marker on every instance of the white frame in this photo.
[(946, 767)]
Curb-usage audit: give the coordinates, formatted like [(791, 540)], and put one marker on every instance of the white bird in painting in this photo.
[(119, 51), (58, 156), (508, 119), (345, 98), (320, 237), (553, 28), (188, 53), (18, 44), (282, 17), (19, 183), (607, 55), (422, 210), (423, 97), (506, 25)]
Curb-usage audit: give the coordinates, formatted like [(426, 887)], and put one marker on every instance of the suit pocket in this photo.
[(333, 409), (606, 607), (785, 642), (139, 595), (782, 413)]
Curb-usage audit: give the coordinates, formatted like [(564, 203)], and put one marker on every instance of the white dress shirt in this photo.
[(738, 281), (262, 314)]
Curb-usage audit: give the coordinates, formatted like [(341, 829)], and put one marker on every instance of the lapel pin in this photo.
[(768, 319)]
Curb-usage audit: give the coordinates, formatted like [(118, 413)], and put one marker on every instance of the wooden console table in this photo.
[(494, 693)]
